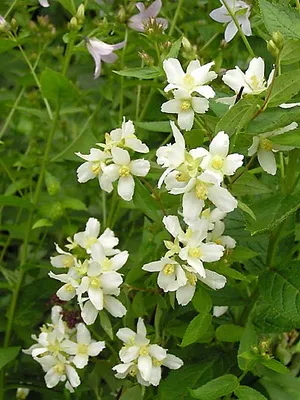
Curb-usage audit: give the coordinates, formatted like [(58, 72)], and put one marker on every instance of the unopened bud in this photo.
[(13, 24), (186, 44), (275, 45), (52, 184), (148, 60), (80, 14), (272, 48), (121, 16), (73, 24)]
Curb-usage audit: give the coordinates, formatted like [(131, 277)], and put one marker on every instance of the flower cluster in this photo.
[(92, 263), (190, 90), (113, 163), (61, 350), (142, 359), (198, 175)]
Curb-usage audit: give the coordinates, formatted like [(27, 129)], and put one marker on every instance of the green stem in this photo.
[(104, 211), (36, 81), (173, 25), (122, 81), (209, 42), (68, 54), (236, 22), (10, 9)]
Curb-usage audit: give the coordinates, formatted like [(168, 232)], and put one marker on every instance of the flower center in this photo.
[(106, 264), (96, 168), (95, 283), (182, 177), (266, 144), (218, 241), (59, 368), (82, 348), (195, 252), (191, 277), (217, 162), (54, 347), (144, 351), (124, 171), (185, 105), (169, 269), (90, 241), (188, 80), (201, 191), (156, 363), (69, 288), (68, 261), (133, 370)]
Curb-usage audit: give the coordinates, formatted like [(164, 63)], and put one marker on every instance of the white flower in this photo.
[(93, 167), (205, 186), (101, 51), (194, 80), (185, 106), (125, 136), (44, 3), (218, 311), (90, 238), (171, 275), (217, 161), (216, 236), (3, 23), (68, 290), (139, 21), (252, 81), (142, 359), (265, 148), (123, 170), (64, 260), (210, 216), (22, 393), (59, 369), (241, 10), (83, 348)]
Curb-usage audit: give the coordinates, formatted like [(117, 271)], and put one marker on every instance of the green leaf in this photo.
[(8, 354), (222, 386), (275, 365), (286, 86), (281, 387), (56, 87), (6, 44), (291, 138), (140, 73), (290, 53), (196, 329), (73, 204), (69, 6), (281, 289), (42, 223), (273, 119), (229, 333), (246, 209), (248, 340), (159, 126), (248, 393), (202, 301), (248, 184), (133, 393), (106, 324), (238, 116), (271, 211), (280, 18), (15, 201), (174, 50), (144, 201)]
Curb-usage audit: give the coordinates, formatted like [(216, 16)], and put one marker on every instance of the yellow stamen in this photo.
[(201, 191), (82, 348), (191, 277), (59, 368), (124, 171), (266, 144), (95, 283), (96, 168), (169, 269), (217, 162), (195, 252), (185, 105), (144, 351)]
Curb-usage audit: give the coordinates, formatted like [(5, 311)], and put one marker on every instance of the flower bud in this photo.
[(13, 24), (73, 24), (186, 44), (52, 184), (80, 14), (22, 393), (148, 60), (275, 45), (121, 16)]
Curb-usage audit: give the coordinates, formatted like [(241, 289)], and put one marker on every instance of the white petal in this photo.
[(85, 173), (141, 328), (157, 352), (256, 68), (65, 295), (145, 366), (140, 167), (114, 307), (230, 31), (232, 163), (213, 280), (172, 225), (219, 310), (52, 378), (95, 348), (89, 313), (120, 156), (222, 198), (173, 70), (220, 145), (211, 252), (236, 79), (83, 334), (172, 362), (125, 334), (205, 91), (92, 227), (154, 266), (171, 106), (126, 187), (186, 119), (128, 354), (80, 360), (192, 206), (200, 105), (254, 147), (185, 294), (96, 297), (72, 376), (119, 260), (267, 161), (155, 376), (220, 15)]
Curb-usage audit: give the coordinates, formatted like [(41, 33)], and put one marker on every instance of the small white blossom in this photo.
[(265, 149), (93, 167), (83, 348), (142, 359), (44, 3), (101, 51), (123, 170), (185, 106), (125, 137), (64, 260), (216, 236), (139, 21), (217, 161), (241, 10), (218, 311), (252, 81), (195, 78)]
